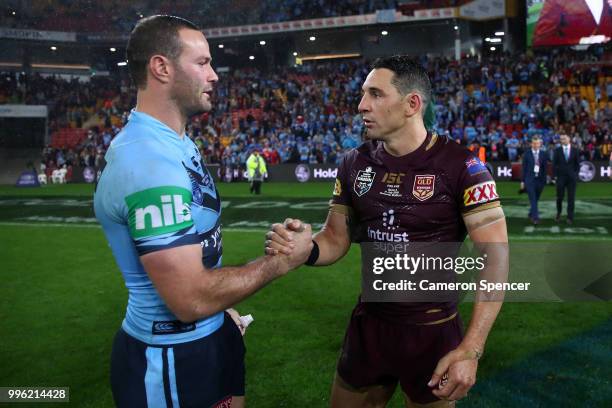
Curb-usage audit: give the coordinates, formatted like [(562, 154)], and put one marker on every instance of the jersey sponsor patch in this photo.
[(393, 178), (337, 188), (364, 181), (393, 183), (480, 193), (424, 186), (475, 166), (158, 210)]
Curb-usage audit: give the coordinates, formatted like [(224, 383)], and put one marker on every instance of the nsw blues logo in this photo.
[(205, 198), (201, 182), (364, 181)]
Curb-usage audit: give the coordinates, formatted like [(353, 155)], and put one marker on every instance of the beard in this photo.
[(188, 96), (369, 135)]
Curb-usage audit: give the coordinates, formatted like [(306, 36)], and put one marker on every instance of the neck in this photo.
[(162, 109), (405, 140)]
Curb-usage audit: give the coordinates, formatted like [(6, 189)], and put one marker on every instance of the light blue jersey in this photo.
[(153, 194)]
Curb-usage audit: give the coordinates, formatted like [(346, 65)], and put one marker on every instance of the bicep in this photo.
[(177, 274), (487, 225)]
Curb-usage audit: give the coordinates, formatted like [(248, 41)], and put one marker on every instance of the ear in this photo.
[(413, 103), (160, 68)]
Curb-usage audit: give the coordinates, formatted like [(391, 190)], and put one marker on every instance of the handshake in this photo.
[(291, 241)]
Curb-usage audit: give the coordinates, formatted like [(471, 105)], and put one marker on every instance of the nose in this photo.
[(213, 76), (363, 105)]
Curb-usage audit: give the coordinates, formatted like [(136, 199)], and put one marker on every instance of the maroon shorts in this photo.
[(379, 352)]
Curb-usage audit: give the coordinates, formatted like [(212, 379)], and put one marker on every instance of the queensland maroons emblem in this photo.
[(423, 187), (364, 181)]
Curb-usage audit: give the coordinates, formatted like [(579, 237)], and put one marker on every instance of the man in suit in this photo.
[(565, 170), (535, 162)]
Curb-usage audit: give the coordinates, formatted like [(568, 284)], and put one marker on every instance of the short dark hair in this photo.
[(408, 76), (154, 35)]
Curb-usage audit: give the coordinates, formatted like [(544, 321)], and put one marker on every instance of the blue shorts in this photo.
[(203, 373)]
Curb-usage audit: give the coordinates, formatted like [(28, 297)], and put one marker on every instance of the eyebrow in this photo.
[(372, 88)]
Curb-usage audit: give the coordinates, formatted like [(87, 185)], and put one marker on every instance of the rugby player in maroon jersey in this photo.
[(405, 184)]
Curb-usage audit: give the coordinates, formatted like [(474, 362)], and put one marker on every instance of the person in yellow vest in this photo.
[(257, 171)]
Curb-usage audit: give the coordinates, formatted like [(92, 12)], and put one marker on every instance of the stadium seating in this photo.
[(118, 16), (300, 115), (68, 138)]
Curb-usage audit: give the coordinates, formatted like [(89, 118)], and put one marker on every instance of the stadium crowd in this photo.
[(119, 16), (308, 114), (115, 16)]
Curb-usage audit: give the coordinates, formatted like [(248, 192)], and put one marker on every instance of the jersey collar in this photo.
[(148, 120)]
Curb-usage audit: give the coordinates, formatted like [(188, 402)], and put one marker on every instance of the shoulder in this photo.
[(134, 165), (136, 142), (365, 150), (454, 155)]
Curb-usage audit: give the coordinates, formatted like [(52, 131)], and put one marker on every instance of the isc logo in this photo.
[(393, 178), (172, 212)]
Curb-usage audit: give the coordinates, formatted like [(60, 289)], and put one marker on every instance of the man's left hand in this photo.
[(236, 318), (455, 374)]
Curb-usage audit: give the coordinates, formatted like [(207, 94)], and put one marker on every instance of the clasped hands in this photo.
[(291, 240)]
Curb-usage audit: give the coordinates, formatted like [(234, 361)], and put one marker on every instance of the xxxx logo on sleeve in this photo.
[(158, 210), (480, 193)]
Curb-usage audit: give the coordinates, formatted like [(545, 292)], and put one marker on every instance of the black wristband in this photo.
[(314, 254)]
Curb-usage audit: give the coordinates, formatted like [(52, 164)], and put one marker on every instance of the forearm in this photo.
[(224, 287), (483, 317), (489, 234), (332, 246)]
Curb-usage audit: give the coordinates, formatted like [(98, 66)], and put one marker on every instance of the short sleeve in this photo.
[(341, 197), (477, 189), (153, 197)]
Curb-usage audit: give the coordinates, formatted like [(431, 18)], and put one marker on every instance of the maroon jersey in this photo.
[(419, 197)]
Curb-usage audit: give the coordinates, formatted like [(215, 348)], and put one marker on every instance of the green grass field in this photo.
[(62, 299)]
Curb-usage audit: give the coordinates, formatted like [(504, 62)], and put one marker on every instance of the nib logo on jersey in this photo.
[(159, 210), (391, 224)]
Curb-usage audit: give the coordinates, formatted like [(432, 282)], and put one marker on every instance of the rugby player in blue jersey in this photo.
[(160, 212)]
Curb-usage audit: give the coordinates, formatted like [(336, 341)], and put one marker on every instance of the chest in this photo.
[(418, 199), (206, 203)]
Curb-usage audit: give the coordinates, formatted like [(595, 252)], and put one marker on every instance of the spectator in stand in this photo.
[(297, 113), (512, 145)]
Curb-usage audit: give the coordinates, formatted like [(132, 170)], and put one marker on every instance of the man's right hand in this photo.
[(292, 239), (301, 238)]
